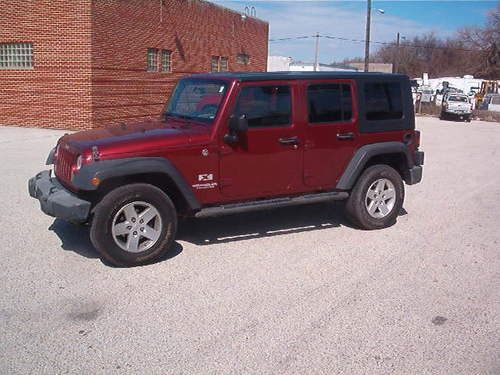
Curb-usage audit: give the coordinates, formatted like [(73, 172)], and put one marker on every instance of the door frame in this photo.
[(295, 126)]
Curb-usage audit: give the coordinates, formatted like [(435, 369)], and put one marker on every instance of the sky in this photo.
[(347, 19)]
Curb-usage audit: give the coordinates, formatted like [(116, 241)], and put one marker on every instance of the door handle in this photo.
[(345, 136), (289, 141)]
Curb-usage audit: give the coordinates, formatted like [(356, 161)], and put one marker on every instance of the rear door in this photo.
[(331, 132), (266, 160)]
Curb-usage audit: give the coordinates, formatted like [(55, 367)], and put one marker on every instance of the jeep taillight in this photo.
[(417, 138)]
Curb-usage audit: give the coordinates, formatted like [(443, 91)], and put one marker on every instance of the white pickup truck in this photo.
[(457, 106)]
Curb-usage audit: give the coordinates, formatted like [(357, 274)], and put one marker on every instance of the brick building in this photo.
[(84, 63)]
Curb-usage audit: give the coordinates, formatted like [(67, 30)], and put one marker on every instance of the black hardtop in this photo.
[(269, 76)]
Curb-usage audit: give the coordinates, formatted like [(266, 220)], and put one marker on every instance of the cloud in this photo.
[(301, 18)]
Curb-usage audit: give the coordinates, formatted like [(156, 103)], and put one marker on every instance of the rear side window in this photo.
[(265, 105), (383, 101), (329, 103)]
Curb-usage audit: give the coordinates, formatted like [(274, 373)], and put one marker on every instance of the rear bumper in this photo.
[(57, 201), (414, 175), (419, 158), (458, 112)]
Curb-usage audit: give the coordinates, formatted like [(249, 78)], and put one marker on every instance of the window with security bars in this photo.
[(152, 60), (219, 64), (223, 64), (166, 61), (214, 64), (16, 55), (243, 58)]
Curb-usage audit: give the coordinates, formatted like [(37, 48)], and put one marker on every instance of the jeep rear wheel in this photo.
[(133, 225), (377, 198)]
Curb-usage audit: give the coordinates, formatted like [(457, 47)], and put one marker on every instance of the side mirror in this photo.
[(238, 124)]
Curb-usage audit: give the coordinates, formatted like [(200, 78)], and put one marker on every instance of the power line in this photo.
[(293, 37), (402, 45)]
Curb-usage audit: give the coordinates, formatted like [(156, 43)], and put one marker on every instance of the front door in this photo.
[(331, 132), (266, 159)]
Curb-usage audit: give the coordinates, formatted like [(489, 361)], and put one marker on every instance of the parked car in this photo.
[(230, 142), (491, 102), (456, 105)]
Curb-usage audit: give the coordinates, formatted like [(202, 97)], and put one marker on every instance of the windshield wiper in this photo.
[(178, 115)]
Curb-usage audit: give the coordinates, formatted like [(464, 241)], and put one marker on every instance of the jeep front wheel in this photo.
[(377, 198), (133, 225)]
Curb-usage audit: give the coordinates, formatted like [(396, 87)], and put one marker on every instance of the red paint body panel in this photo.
[(325, 157), (259, 165)]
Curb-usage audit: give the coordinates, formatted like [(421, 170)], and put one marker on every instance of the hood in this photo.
[(138, 137)]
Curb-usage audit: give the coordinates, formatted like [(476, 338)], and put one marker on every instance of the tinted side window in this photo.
[(383, 101), (347, 102), (329, 103), (265, 105)]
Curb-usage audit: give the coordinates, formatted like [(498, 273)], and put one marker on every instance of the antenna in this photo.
[(250, 11)]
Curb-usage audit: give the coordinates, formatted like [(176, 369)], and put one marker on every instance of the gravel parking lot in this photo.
[(289, 291)]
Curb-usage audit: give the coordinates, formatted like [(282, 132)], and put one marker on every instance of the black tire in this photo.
[(104, 214), (356, 210)]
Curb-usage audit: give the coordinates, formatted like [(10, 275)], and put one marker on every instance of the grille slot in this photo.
[(64, 161)]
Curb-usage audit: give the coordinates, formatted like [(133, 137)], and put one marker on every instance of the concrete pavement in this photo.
[(289, 291)]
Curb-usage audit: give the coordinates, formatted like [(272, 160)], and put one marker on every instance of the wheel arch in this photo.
[(394, 154), (158, 172)]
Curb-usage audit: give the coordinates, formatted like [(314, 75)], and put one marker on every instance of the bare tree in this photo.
[(471, 51), (485, 39)]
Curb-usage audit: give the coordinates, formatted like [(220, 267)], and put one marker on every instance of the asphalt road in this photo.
[(289, 291)]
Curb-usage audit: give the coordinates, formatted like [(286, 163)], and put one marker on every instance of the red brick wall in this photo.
[(193, 30), (90, 56), (56, 93)]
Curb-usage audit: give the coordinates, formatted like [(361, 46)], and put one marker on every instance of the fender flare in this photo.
[(106, 169), (364, 154)]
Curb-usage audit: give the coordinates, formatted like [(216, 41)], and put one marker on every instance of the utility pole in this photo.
[(316, 56), (367, 36), (395, 66)]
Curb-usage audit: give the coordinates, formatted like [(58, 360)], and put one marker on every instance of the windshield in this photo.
[(196, 99), (458, 99)]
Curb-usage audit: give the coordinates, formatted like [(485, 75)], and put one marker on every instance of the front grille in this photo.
[(64, 161)]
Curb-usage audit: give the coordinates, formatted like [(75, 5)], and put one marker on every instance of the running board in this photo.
[(271, 203)]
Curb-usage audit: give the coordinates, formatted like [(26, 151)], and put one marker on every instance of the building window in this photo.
[(223, 66), (383, 101), (265, 106), (166, 61), (219, 64), (214, 64), (329, 103), (243, 58), (16, 56), (152, 60)]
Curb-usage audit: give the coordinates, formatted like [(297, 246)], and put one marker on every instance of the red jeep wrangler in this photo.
[(238, 141)]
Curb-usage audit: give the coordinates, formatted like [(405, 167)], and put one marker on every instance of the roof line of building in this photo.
[(233, 11)]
